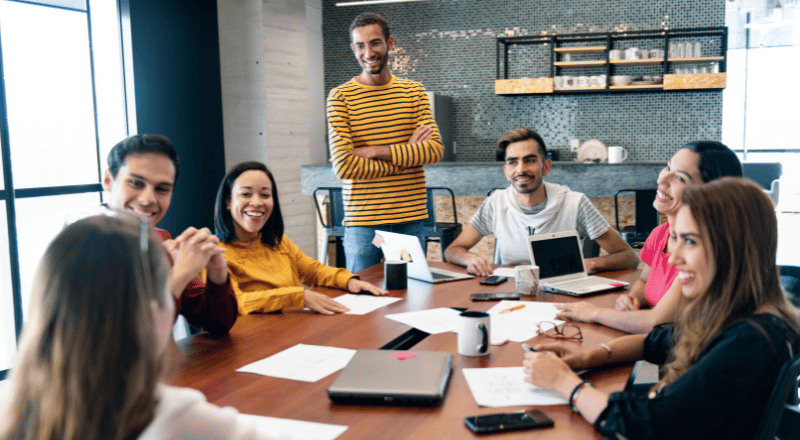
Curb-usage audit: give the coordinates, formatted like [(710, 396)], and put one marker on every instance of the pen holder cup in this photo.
[(396, 275), (527, 279)]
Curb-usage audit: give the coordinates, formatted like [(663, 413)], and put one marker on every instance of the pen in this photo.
[(511, 309), (527, 347)]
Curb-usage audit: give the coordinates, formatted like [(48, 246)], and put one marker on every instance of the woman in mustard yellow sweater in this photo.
[(267, 270)]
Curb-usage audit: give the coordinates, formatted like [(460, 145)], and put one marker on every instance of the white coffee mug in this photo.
[(568, 81), (583, 81), (617, 154), (615, 55), (558, 82), (473, 333), (527, 278)]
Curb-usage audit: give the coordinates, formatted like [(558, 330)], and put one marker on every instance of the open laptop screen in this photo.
[(557, 256)]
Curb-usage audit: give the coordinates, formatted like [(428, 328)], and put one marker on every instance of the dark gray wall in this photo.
[(175, 47), (449, 45)]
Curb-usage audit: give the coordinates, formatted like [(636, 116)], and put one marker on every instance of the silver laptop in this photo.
[(561, 266), (407, 248), (375, 376)]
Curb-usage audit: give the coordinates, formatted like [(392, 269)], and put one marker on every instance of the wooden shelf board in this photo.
[(581, 50), (694, 60), (645, 62), (576, 64)]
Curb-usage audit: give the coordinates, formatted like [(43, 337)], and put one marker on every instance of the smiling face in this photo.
[(371, 48), (525, 167), (681, 170), (690, 254), (143, 186), (250, 204)]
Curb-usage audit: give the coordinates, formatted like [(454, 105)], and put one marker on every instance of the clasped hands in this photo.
[(193, 251)]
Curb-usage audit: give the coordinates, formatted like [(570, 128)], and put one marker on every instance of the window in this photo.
[(759, 112), (63, 92)]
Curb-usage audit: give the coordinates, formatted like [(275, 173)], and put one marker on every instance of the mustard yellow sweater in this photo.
[(266, 279)]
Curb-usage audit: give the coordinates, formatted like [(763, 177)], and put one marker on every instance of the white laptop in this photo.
[(561, 266), (407, 248)]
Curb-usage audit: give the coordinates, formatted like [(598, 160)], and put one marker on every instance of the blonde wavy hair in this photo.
[(88, 362), (740, 232)]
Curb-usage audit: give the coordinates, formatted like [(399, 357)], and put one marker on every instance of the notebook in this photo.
[(407, 248), (561, 266), (375, 376)]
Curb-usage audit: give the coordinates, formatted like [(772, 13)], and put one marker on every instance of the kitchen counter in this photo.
[(477, 178)]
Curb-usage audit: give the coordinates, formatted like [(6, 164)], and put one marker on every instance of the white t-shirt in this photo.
[(184, 413), (562, 210)]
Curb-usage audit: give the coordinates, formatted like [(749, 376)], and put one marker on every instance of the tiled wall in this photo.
[(449, 45)]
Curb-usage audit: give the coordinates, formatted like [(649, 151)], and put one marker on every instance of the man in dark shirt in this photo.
[(142, 173)]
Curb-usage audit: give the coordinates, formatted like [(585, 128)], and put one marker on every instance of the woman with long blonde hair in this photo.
[(92, 350), (735, 331)]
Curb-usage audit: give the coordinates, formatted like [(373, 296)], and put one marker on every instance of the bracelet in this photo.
[(608, 349), (573, 397)]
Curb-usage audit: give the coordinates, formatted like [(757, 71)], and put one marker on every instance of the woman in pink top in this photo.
[(653, 299)]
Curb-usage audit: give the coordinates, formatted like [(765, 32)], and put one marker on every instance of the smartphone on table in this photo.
[(493, 280), (494, 296), (508, 421)]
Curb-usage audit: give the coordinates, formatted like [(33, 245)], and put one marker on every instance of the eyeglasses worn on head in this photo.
[(564, 331)]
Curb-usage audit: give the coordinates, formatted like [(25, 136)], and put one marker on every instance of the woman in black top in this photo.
[(735, 331)]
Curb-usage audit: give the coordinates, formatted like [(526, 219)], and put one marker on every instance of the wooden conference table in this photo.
[(210, 364)]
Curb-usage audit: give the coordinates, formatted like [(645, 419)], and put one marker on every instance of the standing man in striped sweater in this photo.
[(381, 133)]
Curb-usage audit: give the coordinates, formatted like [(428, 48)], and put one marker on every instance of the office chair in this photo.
[(442, 232), (646, 217), (781, 418), (333, 230)]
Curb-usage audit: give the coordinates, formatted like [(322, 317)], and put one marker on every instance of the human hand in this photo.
[(354, 285), (577, 311), (627, 302), (574, 359), (546, 370), (477, 265), (322, 304), (421, 134), (191, 252)]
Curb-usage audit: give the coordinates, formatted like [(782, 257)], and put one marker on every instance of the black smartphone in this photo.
[(493, 296), (493, 280), (508, 421)]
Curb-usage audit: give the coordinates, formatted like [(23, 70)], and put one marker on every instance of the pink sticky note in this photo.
[(404, 355), (617, 284)]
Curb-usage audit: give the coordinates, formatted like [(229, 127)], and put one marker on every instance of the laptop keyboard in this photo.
[(575, 285), (440, 276)]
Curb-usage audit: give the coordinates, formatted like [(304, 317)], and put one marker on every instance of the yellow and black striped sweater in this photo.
[(379, 192)]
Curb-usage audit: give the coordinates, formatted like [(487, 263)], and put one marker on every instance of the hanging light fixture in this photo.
[(374, 2)]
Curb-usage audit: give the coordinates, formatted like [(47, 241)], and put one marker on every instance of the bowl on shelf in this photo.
[(621, 80)]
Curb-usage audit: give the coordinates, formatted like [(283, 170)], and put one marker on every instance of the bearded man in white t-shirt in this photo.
[(532, 206)]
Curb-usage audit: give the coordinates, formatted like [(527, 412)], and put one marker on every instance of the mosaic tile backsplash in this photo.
[(450, 46)]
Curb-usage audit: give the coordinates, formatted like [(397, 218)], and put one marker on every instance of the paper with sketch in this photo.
[(433, 321), (363, 304), (497, 387), (505, 272), (288, 429), (308, 363), (520, 325)]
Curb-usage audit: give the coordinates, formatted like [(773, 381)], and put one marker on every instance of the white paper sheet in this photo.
[(520, 325), (433, 321), (308, 363), (288, 429), (363, 304), (498, 387), (505, 272)]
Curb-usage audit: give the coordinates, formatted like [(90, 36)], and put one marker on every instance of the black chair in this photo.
[(790, 279), (762, 173), (781, 418), (333, 230), (442, 232), (646, 217)]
